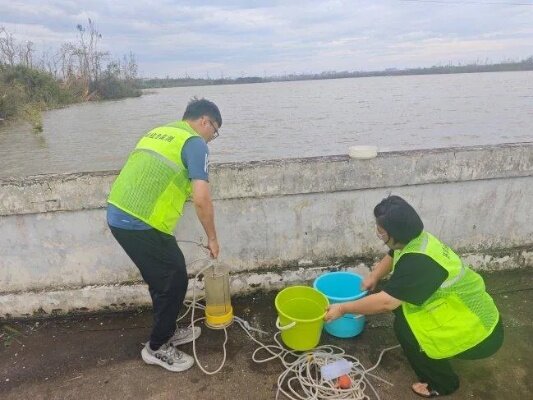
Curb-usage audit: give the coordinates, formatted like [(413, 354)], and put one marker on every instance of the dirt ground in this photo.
[(98, 356)]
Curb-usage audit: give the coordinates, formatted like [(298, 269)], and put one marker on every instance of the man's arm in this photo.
[(201, 197)]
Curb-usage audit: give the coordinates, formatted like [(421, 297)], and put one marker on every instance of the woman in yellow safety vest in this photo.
[(441, 308)]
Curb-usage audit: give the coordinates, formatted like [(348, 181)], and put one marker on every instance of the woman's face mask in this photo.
[(382, 234)]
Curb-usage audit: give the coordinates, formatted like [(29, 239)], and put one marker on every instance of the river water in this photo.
[(286, 120)]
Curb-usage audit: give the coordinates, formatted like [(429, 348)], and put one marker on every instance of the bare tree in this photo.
[(83, 59), (25, 53), (8, 48), (129, 67), (67, 55), (50, 62), (89, 57)]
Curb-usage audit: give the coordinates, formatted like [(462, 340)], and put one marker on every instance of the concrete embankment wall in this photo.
[(278, 222)]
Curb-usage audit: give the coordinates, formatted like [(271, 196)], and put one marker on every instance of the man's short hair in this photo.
[(197, 108), (399, 219)]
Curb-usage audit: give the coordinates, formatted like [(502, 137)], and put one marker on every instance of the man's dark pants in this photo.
[(163, 268)]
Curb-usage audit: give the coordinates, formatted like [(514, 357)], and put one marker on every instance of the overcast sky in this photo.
[(244, 38)]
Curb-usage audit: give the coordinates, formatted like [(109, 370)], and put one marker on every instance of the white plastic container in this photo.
[(336, 369), (363, 152)]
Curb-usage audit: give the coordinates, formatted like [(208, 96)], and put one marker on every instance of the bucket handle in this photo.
[(284, 328)]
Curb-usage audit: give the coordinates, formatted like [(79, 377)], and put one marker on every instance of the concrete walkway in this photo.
[(98, 356)]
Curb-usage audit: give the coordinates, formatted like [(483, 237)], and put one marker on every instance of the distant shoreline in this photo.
[(155, 83)]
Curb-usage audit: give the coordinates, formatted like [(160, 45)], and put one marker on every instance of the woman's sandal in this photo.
[(432, 393)]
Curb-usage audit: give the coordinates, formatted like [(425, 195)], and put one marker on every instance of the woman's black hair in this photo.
[(398, 218)]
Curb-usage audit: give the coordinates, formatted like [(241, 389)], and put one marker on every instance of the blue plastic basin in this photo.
[(340, 287)]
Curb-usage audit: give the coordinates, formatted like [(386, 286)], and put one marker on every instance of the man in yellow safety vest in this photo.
[(168, 165)]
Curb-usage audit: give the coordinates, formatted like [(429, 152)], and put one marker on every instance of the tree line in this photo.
[(522, 65), (32, 81)]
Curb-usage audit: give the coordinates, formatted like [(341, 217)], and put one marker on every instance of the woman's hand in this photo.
[(369, 283), (334, 312)]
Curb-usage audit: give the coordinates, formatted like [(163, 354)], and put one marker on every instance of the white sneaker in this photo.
[(185, 335), (168, 357)]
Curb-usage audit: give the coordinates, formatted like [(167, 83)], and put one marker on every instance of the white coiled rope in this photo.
[(302, 380)]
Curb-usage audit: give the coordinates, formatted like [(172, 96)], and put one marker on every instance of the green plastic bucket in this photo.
[(301, 311)]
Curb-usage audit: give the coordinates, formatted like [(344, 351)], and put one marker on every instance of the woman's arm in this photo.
[(374, 304), (380, 270)]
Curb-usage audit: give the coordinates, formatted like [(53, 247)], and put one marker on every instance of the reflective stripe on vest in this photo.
[(154, 185), (460, 314)]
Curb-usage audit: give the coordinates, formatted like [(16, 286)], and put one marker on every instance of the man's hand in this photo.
[(212, 246), (334, 312)]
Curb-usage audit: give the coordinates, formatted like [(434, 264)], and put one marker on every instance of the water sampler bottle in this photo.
[(218, 309)]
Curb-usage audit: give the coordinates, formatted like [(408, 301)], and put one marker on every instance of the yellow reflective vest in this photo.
[(154, 185), (460, 314)]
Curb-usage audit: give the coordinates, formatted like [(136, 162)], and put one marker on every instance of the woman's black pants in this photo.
[(438, 374)]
